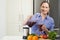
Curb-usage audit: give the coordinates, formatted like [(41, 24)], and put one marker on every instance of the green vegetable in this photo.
[(52, 35), (32, 34)]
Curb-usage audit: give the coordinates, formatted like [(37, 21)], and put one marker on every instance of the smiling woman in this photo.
[(42, 18), (54, 11)]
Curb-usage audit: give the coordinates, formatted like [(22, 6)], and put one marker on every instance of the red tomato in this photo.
[(45, 36)]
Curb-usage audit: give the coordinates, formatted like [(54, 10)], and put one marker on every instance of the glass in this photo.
[(40, 27), (30, 24)]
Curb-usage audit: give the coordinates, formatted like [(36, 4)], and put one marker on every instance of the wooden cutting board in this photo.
[(44, 39)]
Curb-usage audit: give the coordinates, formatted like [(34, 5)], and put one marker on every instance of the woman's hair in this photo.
[(45, 2)]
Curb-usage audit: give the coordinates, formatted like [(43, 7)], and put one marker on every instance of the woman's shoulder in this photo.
[(50, 18), (36, 14)]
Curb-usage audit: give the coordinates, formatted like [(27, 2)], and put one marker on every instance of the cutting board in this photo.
[(44, 39)]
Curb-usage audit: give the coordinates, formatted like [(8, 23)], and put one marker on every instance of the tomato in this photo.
[(45, 36)]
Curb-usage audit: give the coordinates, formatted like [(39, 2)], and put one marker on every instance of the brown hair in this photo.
[(45, 2)]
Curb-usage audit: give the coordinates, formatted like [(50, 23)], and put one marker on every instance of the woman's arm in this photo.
[(28, 17)]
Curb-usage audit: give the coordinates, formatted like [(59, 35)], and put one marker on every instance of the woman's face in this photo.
[(44, 8)]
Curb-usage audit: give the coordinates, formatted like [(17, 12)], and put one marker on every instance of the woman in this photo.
[(43, 22)]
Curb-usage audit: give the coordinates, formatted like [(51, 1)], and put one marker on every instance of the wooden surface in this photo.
[(43, 39)]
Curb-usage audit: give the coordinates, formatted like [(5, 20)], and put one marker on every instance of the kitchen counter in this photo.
[(17, 38), (11, 38), (44, 39)]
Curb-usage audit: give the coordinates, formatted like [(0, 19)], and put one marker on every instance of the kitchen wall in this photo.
[(26, 7), (17, 11), (12, 17), (3, 18), (59, 15), (59, 12), (12, 14), (54, 11)]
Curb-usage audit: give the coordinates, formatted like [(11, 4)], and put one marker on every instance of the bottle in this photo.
[(26, 32)]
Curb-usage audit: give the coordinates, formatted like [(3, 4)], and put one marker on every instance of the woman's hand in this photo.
[(44, 28)]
